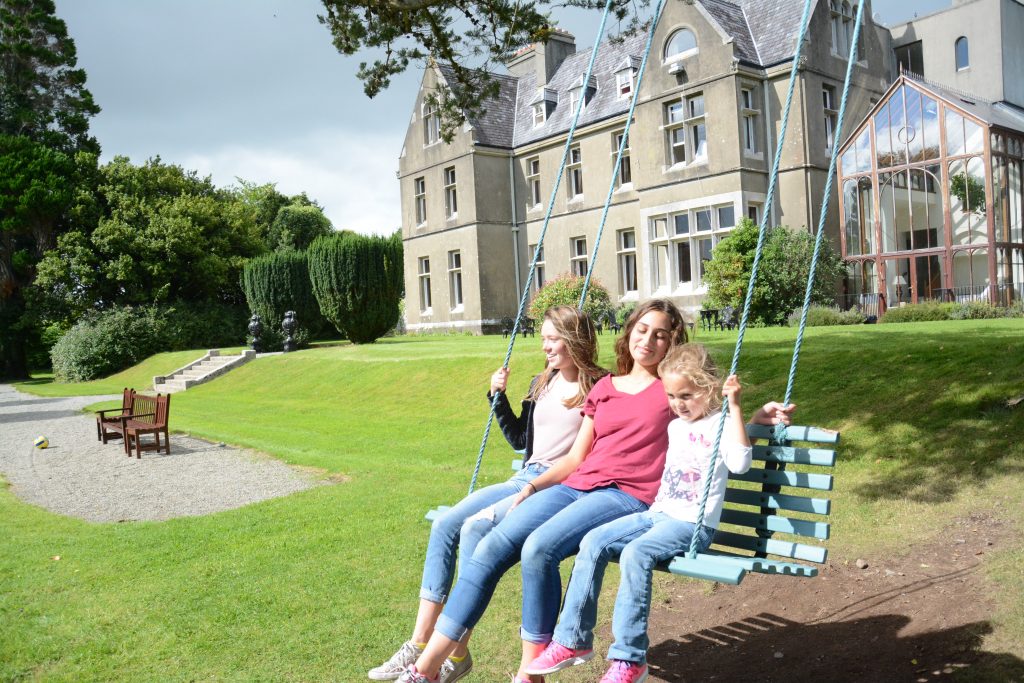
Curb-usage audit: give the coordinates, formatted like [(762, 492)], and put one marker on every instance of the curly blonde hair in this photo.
[(693, 362)]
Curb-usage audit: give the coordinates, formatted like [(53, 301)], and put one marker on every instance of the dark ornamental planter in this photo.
[(288, 325), (256, 329)]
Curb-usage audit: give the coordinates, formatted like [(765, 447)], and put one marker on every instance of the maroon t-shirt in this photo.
[(630, 440)]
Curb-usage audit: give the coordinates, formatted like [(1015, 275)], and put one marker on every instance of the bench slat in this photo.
[(436, 512), (777, 523), (795, 433), (778, 501), (820, 482), (761, 565), (771, 546), (721, 572), (798, 456)]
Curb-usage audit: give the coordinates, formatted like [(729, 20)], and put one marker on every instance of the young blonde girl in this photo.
[(668, 528)]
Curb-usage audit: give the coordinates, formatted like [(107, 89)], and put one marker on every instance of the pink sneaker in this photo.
[(622, 671), (557, 657)]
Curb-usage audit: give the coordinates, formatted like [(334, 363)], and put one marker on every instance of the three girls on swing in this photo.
[(612, 472)]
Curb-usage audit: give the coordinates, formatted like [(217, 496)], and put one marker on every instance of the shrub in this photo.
[(821, 316), (977, 310), (275, 284), (104, 342), (781, 276), (565, 290), (358, 281), (915, 313)]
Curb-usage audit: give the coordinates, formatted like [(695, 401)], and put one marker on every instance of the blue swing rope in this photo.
[(837, 136), (623, 143), (540, 240), (773, 181)]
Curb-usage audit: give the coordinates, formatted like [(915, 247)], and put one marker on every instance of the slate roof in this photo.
[(763, 34), (1001, 114)]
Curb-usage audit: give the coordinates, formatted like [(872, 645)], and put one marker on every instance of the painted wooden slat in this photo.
[(435, 513), (820, 482), (772, 546), (784, 525), (778, 501), (517, 465), (710, 571), (795, 433), (799, 456), (761, 565)]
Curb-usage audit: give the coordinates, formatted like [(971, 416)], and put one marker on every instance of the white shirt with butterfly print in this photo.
[(689, 450)]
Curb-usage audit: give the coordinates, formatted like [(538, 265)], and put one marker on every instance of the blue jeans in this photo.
[(644, 540), (545, 529), (465, 524)]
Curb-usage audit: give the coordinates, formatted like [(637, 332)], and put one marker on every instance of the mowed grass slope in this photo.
[(322, 585)]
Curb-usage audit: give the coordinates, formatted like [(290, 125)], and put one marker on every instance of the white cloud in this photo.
[(351, 175)]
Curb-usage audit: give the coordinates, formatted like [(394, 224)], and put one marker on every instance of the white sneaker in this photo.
[(453, 671), (393, 668)]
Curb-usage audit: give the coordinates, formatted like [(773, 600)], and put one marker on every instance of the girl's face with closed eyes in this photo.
[(650, 339)]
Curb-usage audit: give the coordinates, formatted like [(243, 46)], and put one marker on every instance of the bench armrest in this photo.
[(109, 410)]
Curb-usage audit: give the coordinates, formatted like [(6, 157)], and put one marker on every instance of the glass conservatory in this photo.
[(931, 200)]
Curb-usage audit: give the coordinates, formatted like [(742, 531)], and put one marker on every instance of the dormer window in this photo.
[(624, 83), (538, 114), (574, 99), (587, 92), (680, 44)]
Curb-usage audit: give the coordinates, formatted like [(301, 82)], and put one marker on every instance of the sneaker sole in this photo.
[(383, 676), (565, 664)]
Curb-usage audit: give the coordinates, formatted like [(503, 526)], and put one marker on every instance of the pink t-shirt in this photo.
[(630, 440)]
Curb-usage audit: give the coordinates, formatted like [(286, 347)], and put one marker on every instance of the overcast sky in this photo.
[(255, 89)]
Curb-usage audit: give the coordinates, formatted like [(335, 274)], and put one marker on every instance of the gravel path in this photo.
[(80, 477)]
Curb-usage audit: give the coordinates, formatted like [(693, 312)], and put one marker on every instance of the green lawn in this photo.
[(321, 585)]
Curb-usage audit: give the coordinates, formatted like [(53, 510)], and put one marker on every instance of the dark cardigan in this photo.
[(518, 430)]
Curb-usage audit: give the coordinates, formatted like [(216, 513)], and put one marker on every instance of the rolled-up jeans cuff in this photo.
[(542, 639), (450, 629), (431, 596)]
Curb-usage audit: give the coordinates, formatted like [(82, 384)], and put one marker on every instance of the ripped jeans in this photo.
[(465, 524)]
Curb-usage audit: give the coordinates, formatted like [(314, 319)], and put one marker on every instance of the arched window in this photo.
[(680, 43), (963, 58)]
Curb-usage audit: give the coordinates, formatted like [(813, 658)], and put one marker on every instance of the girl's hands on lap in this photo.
[(527, 491), (499, 380)]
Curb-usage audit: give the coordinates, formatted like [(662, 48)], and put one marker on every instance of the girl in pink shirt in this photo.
[(612, 470)]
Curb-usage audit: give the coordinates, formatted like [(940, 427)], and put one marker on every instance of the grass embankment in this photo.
[(322, 585)]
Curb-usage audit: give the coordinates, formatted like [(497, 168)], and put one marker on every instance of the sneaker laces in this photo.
[(401, 658), (618, 672)]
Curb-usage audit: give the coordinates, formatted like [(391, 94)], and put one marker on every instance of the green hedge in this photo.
[(821, 316), (565, 290), (275, 284), (102, 343), (359, 283)]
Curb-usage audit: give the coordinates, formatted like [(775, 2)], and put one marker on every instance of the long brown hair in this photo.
[(677, 329), (577, 331)]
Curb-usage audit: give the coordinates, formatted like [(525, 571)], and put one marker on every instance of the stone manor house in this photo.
[(700, 151)]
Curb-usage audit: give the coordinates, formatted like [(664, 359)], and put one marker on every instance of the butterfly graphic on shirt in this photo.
[(680, 483)]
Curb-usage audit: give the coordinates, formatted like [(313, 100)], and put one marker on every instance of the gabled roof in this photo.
[(773, 25), (731, 19), (494, 127)]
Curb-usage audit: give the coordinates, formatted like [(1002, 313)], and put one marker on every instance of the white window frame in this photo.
[(828, 104), (967, 53), (693, 231), (533, 182), (455, 280), (420, 199), (539, 114), (431, 124), (754, 212), (626, 256), (423, 269), (574, 171), (676, 56), (538, 272), (751, 119), (451, 200), (686, 130), (574, 100), (624, 179), (624, 82), (578, 256)]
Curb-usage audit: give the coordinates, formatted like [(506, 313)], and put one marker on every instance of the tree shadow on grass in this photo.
[(769, 647)]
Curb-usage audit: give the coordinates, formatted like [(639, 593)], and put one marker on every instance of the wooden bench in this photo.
[(108, 421), (150, 417), (755, 503)]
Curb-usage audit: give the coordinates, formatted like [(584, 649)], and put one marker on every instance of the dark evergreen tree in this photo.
[(277, 283), (358, 281)]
